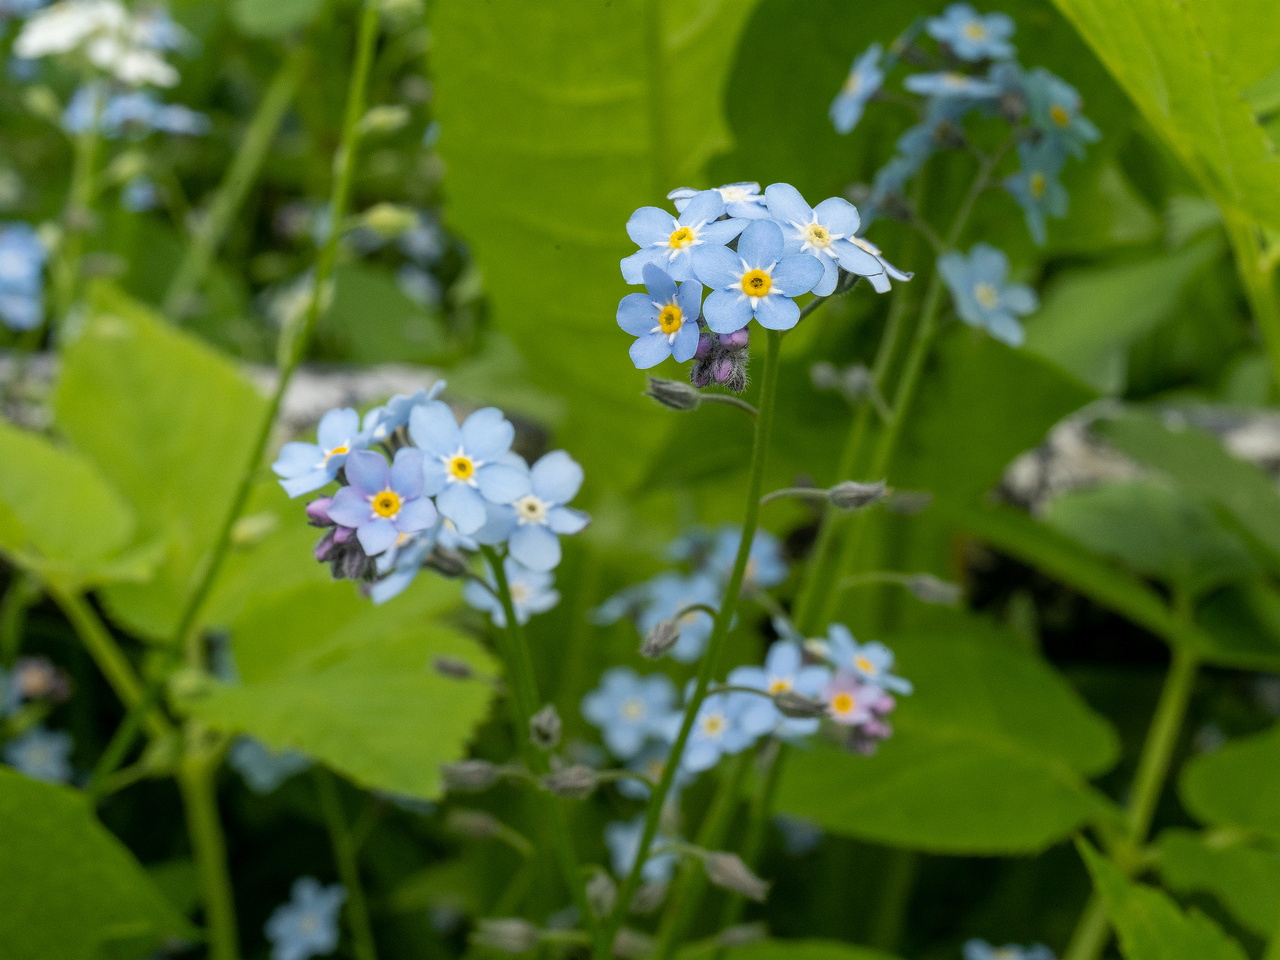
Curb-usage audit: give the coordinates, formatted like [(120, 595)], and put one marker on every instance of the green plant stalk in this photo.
[(755, 483), (235, 185), (79, 206), (895, 898), (200, 801), (346, 856), (524, 703), (22, 592), (685, 898), (1091, 932), (1259, 286), (1273, 948)]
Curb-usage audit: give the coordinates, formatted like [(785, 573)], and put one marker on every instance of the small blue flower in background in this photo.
[(766, 566), (22, 259), (942, 116), (783, 670), (262, 768), (467, 467), (398, 566), (139, 195), (304, 467), (380, 422), (981, 950), (623, 840), (651, 762), (306, 926), (41, 754), (870, 662), (973, 36), (12, 9), (826, 232), (799, 836), (532, 592), (1055, 107), (1036, 186), (666, 595), (717, 731), (532, 525), (759, 280), (137, 113), (948, 83), (742, 199), (669, 241), (664, 320), (382, 502), (1008, 75), (982, 296), (629, 709), (865, 78), (425, 243)]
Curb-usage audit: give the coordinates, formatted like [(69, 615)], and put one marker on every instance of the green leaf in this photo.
[(1091, 316), (326, 672), (69, 887), (1156, 531), (1156, 49), (988, 756), (560, 119), (807, 950), (372, 321), (1245, 880), (268, 18), (1149, 923), (1237, 786), (171, 424)]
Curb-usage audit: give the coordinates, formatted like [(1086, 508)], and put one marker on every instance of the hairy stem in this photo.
[(346, 856), (707, 669), (200, 801)]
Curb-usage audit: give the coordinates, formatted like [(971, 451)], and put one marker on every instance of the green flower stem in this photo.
[(235, 186), (1091, 932), (346, 856), (686, 896), (1258, 283), (707, 668), (75, 215), (22, 592), (200, 801), (524, 699)]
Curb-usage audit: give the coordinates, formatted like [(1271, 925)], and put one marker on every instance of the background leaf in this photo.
[(1245, 880), (273, 18), (806, 950), (1237, 786)]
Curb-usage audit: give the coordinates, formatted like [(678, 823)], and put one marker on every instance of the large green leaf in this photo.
[(989, 755), (171, 424), (1149, 923), (68, 887), (1157, 50), (807, 950), (259, 18), (325, 672), (1244, 879), (559, 119), (1237, 786)]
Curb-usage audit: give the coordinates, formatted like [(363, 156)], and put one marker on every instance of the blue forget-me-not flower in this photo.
[(870, 662), (668, 596), (651, 762), (973, 36), (381, 502), (304, 467), (742, 199), (1054, 107), (948, 83), (532, 591), (981, 950), (623, 840), (827, 232), (380, 422), (306, 926), (664, 320), (766, 567), (629, 709), (670, 241), (784, 670), (137, 112), (717, 731), (865, 78), (983, 297), (22, 259), (759, 280), (41, 754), (1036, 186), (532, 525), (262, 768)]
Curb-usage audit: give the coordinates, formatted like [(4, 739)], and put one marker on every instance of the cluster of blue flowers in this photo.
[(26, 693), (756, 252), (417, 488), (978, 74), (22, 260), (307, 925), (134, 113)]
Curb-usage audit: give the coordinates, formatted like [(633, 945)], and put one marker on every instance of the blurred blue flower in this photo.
[(262, 768), (799, 836), (1036, 186), (629, 709), (136, 112), (981, 950), (304, 467), (870, 662), (973, 36), (948, 83), (766, 566), (983, 297), (718, 730), (380, 422), (623, 840), (1055, 107), (139, 195), (41, 754), (784, 670), (155, 29), (425, 243), (532, 592), (22, 259), (669, 241), (742, 199), (664, 319), (532, 524), (759, 280), (306, 926), (466, 467), (864, 80), (825, 232), (666, 595), (651, 762), (382, 502)]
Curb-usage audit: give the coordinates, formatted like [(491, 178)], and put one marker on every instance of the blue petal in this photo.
[(650, 350), (1006, 329), (502, 483), (464, 506), (721, 232), (839, 216), (500, 521), (727, 312), (796, 275), (367, 471), (685, 344), (338, 428), (434, 476), (648, 225), (377, 535), (761, 244), (856, 260), (718, 267), (536, 547), (786, 203), (633, 266), (1019, 298), (703, 208), (308, 482), (566, 520), (416, 515), (830, 274), (637, 314), (487, 434), (349, 508), (689, 300), (433, 428), (297, 458), (777, 313), (406, 473), (556, 478), (659, 283)]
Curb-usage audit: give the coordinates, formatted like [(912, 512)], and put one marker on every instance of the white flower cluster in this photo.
[(124, 44)]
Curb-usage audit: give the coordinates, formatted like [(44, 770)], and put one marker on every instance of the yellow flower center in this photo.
[(779, 685), (1058, 114), (336, 452), (974, 30), (519, 593), (756, 283), (670, 319), (842, 702), (680, 238), (461, 467), (1037, 184), (386, 503), (852, 84), (863, 664), (529, 509), (632, 709), (986, 295), (817, 235), (713, 725)]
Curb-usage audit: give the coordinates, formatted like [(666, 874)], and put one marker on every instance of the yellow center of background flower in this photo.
[(1037, 184), (680, 238), (986, 295), (779, 685), (670, 319), (756, 283), (864, 664), (632, 709), (974, 30), (462, 467), (713, 726), (1058, 114), (386, 503), (336, 452), (842, 702)]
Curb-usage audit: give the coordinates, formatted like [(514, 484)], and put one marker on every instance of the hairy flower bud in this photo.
[(472, 823), (544, 728), (448, 563), (851, 495), (660, 639), (798, 706), (508, 934), (576, 782), (675, 394), (318, 512), (931, 589), (470, 776), (602, 893), (632, 944), (648, 898), (452, 667), (727, 870), (387, 118), (742, 935)]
